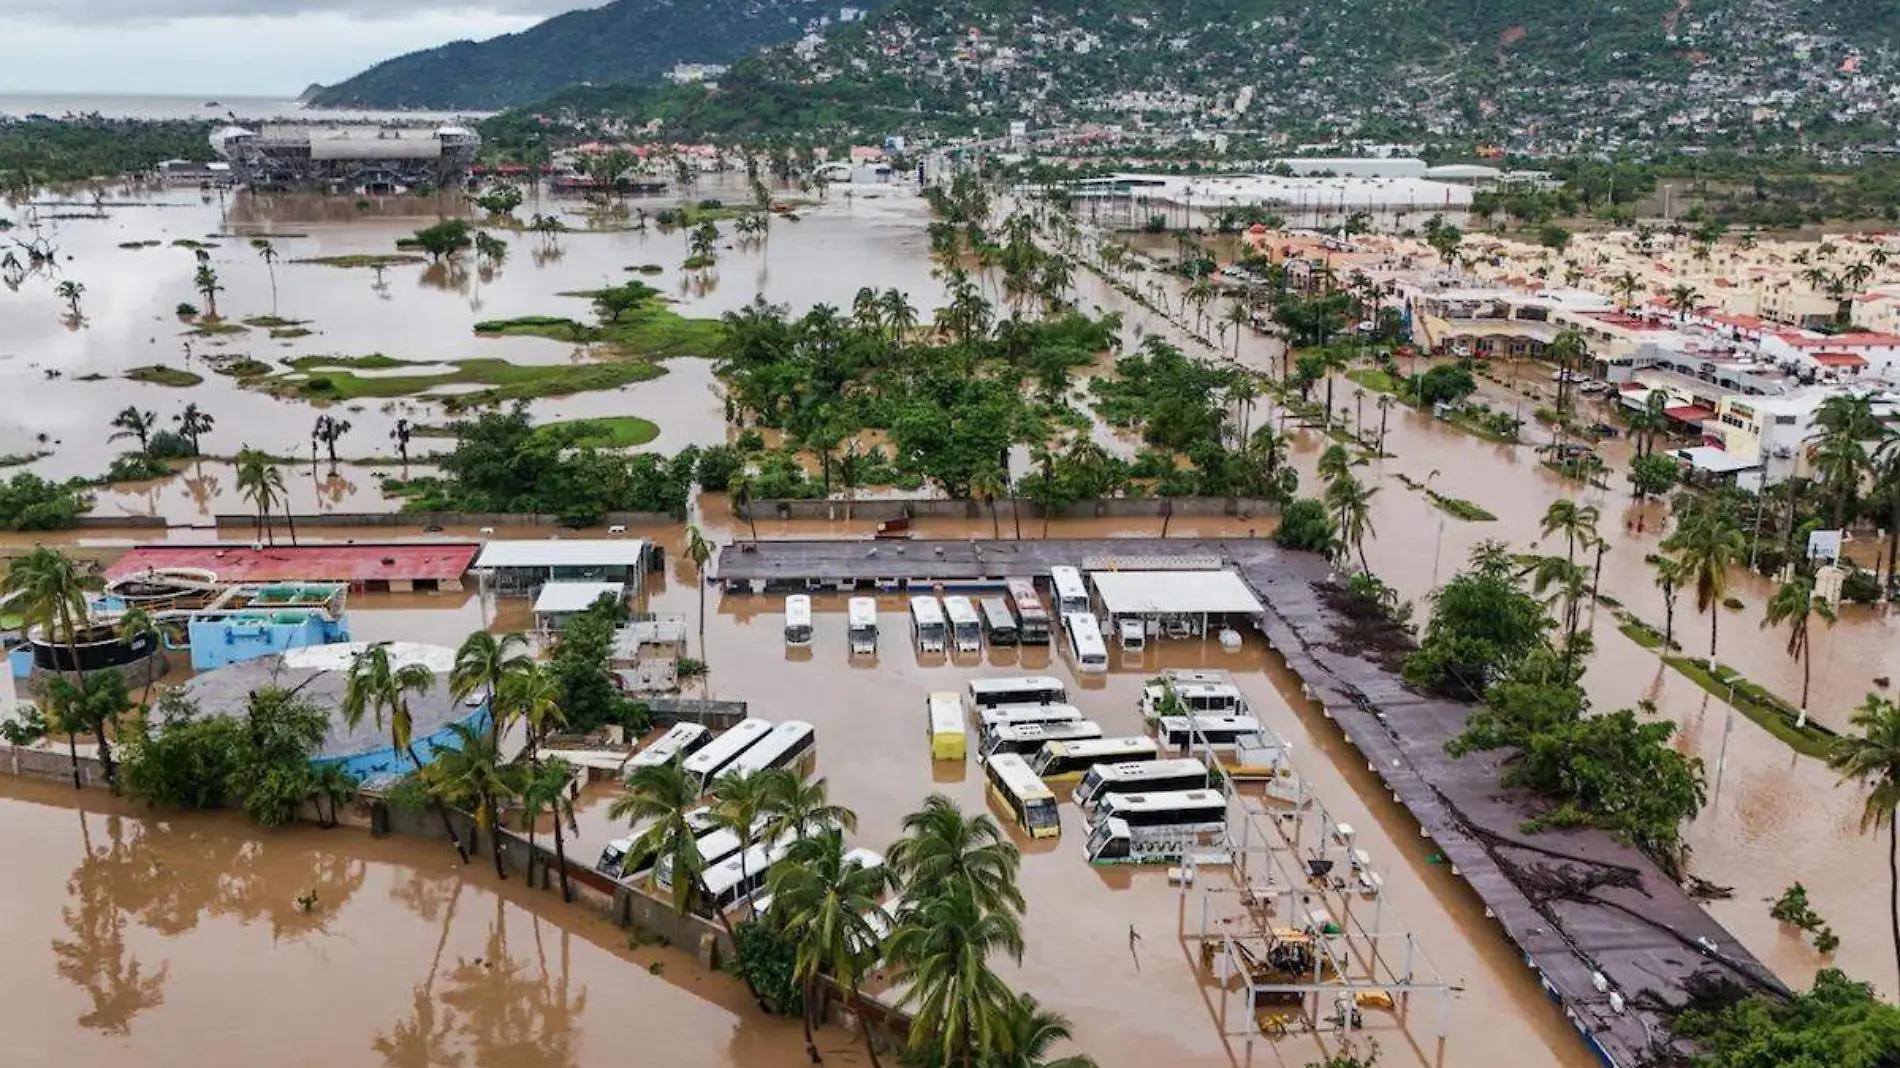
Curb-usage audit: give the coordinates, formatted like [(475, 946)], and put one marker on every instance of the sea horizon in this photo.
[(211, 107)]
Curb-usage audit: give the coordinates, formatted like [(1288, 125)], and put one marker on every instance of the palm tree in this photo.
[(1795, 605), (1029, 1031), (1872, 759), (1578, 522), (70, 292), (260, 482), (1352, 500), (1708, 543), (1563, 581), (1626, 286), (205, 281), (331, 782), (1670, 577), (533, 696), (329, 430), (1684, 299), (824, 897), (133, 423), (700, 551), (546, 790), (959, 1006), (740, 492), (136, 623), (948, 853), (268, 253), (484, 664), (377, 687), (471, 774), (1837, 446), (193, 423), (739, 803), (987, 485), (1647, 422), (798, 805), (1565, 350), (50, 593)]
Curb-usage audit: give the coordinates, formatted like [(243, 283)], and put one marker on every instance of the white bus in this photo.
[(926, 623), (787, 745), (1145, 776), (1072, 596), (966, 627), (1167, 808), (1015, 715), (712, 758), (1197, 732), (1028, 800), (1026, 738), (798, 620), (615, 862), (1186, 692), (1071, 758), (866, 859), (999, 623), (738, 878), (1032, 618), (714, 848), (1014, 690), (863, 625), (1085, 642), (681, 740)]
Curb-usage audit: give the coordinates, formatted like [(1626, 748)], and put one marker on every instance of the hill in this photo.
[(627, 41), (1602, 71)]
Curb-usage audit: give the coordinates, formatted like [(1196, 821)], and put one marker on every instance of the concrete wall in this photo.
[(713, 715), (888, 508), (109, 522), (40, 764), (441, 519)]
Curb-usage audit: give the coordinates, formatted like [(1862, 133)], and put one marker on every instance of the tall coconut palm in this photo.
[(1837, 446), (1684, 299), (740, 491), (1872, 758), (739, 802), (1708, 544), (987, 485), (1029, 1032), (134, 624), (1648, 422), (823, 898), (70, 292), (1351, 501), (1576, 522), (483, 664), (261, 483), (959, 1006), (1671, 576), (471, 774), (194, 423), (332, 783), (797, 805), (133, 423), (50, 591), (1794, 606), (545, 789), (943, 850), (533, 696), (376, 687), (700, 552), (268, 253), (205, 281)]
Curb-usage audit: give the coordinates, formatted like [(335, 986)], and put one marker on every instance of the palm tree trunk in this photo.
[(1016, 516), (1893, 881), (1715, 616), (811, 1044), (702, 613), (725, 922), (996, 529), (560, 855), (291, 520), (864, 1025), (1807, 673), (494, 837), (1669, 625), (442, 811)]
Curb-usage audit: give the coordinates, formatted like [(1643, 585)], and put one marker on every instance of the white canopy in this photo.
[(580, 552), (563, 597), (1157, 593), (1719, 461)]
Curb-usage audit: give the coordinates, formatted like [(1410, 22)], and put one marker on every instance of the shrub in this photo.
[(767, 960), (717, 465), (1860, 586), (1305, 524), (186, 310), (169, 445)]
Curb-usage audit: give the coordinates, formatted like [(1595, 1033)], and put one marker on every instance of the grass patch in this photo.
[(650, 332), (645, 268), (375, 361), (21, 459), (154, 243), (240, 367), (612, 432), (261, 235), (505, 381), (1458, 508), (186, 242), (376, 259), (160, 375), (1774, 715), (284, 333), (1376, 380), (1640, 632), (1577, 473), (209, 327), (268, 322)]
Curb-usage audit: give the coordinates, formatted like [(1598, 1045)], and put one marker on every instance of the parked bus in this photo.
[(1183, 692), (790, 744), (948, 741), (738, 878), (999, 624), (1085, 643), (1198, 732), (926, 623), (1168, 808), (798, 620), (615, 862), (1013, 715), (713, 849), (1144, 776), (1072, 597), (713, 757), (966, 627), (1032, 619), (863, 625), (996, 691), (1156, 828), (681, 740), (1026, 738), (1071, 758), (1028, 801)]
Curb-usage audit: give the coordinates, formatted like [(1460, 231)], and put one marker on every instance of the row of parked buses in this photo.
[(1142, 805)]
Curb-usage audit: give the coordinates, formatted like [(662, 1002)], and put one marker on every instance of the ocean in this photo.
[(247, 108)]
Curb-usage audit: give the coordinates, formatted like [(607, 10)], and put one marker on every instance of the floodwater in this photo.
[(187, 942)]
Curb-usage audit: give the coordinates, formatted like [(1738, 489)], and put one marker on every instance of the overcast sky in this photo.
[(232, 47)]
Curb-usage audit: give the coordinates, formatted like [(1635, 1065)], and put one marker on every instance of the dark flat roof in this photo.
[(319, 562)]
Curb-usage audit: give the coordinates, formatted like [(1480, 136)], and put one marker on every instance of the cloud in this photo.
[(121, 12)]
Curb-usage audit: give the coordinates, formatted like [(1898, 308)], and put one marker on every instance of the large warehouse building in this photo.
[(369, 160)]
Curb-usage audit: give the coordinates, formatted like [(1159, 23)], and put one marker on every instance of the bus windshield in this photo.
[(1041, 812)]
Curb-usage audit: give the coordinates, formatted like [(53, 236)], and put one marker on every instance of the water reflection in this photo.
[(96, 957)]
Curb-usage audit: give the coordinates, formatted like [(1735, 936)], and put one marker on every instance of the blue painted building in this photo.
[(220, 639)]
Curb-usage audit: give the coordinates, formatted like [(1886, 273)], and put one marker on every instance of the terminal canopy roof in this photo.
[(560, 598), (1174, 593)]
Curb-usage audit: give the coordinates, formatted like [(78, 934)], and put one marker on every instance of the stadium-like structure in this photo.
[(361, 159)]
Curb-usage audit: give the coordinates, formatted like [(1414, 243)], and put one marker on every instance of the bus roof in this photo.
[(946, 714), (798, 600), (1139, 770), (1098, 746), (778, 741), (727, 874), (1053, 733), (863, 611), (666, 747), (960, 610), (1016, 684), (997, 611), (1162, 801), (1013, 773), (926, 607), (724, 749), (1209, 723)]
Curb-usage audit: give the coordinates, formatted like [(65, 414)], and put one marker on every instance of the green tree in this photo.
[(532, 696), (1653, 475), (1306, 524), (1838, 1024), (959, 856), (1029, 1032), (268, 253), (960, 1008), (740, 801), (797, 805), (1708, 544), (378, 688), (483, 665), (133, 423), (442, 240), (1795, 606), (1576, 522), (1351, 501), (546, 791), (1837, 447), (699, 552), (1872, 758), (94, 705), (470, 774), (70, 292), (1671, 576), (987, 485), (205, 281), (134, 624), (1481, 627), (48, 591), (261, 483), (824, 899), (194, 423), (331, 783)]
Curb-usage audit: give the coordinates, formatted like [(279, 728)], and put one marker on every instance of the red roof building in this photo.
[(396, 566)]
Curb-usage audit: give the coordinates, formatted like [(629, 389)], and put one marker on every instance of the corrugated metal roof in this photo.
[(586, 552)]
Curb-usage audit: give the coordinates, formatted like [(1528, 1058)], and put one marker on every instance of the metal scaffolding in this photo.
[(1298, 930)]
